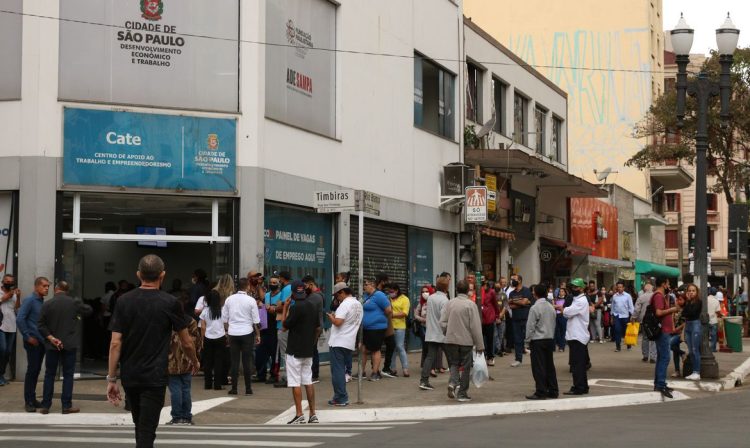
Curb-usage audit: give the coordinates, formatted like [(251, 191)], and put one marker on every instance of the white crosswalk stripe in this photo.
[(299, 436)]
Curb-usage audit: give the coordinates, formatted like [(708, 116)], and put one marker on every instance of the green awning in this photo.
[(653, 269), (647, 267)]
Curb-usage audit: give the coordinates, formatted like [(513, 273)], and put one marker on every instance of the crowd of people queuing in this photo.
[(272, 327)]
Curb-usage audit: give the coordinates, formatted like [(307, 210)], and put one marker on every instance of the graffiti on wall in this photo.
[(605, 100)]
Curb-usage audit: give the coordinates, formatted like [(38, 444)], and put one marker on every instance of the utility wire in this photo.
[(334, 50)]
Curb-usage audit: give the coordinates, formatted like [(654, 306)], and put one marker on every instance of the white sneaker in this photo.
[(347, 377), (515, 363), (693, 377)]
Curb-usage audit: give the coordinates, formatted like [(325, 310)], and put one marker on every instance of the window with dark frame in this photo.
[(672, 202), (498, 97), (711, 202), (670, 239), (540, 129), (474, 93), (434, 89), (520, 123)]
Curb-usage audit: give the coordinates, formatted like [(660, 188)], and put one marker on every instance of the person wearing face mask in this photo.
[(520, 300), (490, 309), (377, 312), (268, 336), (400, 304), (577, 336)]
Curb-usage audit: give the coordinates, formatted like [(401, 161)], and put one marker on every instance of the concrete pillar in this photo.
[(252, 194), (36, 231), (343, 247)]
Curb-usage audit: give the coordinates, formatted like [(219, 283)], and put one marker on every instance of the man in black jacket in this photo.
[(60, 325)]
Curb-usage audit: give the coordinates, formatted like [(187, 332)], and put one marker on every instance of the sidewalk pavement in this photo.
[(615, 379)]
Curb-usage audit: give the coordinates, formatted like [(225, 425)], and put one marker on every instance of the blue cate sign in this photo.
[(127, 149)]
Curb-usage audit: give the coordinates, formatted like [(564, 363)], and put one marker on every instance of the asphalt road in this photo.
[(715, 421)]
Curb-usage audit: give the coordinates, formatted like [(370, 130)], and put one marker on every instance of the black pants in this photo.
[(488, 334), (145, 407), (242, 347), (509, 338), (390, 348), (265, 351), (579, 356), (543, 367), (213, 362), (433, 351)]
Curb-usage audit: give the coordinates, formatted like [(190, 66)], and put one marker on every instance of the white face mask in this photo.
[(425, 295)]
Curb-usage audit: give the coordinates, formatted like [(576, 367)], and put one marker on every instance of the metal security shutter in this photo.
[(385, 250)]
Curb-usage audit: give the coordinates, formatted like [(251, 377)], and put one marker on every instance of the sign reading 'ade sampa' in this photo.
[(151, 52)]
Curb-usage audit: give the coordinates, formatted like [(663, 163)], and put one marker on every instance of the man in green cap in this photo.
[(577, 335)]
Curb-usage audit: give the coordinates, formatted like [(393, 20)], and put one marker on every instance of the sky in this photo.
[(705, 16)]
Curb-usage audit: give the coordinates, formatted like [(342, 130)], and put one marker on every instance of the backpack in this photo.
[(651, 324)]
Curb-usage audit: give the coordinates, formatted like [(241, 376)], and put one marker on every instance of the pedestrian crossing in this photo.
[(298, 436)]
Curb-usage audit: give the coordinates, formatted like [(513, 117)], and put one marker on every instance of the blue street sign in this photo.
[(136, 150)]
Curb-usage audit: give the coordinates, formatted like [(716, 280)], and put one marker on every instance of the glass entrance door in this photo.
[(104, 236)]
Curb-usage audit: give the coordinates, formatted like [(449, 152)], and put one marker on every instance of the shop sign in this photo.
[(135, 150), (545, 255), (300, 64), (181, 54), (476, 204), (490, 181)]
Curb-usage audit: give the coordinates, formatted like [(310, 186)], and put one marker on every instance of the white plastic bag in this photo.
[(479, 373)]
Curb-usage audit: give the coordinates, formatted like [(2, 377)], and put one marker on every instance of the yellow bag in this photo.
[(631, 333)]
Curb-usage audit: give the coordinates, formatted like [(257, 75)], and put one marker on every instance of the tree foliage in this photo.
[(727, 146)]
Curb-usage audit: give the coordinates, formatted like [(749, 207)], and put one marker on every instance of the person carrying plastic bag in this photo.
[(479, 372), (631, 333), (462, 326)]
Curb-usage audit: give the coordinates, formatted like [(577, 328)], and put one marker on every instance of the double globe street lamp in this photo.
[(703, 89)]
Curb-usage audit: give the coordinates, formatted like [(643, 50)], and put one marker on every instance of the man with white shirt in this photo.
[(345, 325), (622, 309), (577, 335), (240, 315), (714, 312)]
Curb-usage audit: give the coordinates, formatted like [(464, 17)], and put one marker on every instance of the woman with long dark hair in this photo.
[(214, 341), (693, 334)]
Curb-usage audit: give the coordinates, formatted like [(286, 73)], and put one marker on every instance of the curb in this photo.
[(480, 409), (100, 418)]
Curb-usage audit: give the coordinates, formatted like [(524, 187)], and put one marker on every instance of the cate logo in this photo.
[(213, 142), (152, 9), (291, 31)]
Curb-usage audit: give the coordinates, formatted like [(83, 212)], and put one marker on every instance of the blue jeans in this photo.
[(179, 395), (693, 337), (499, 337), (713, 333), (621, 324), (561, 324), (68, 358), (340, 358), (6, 348), (662, 361), (34, 358), (400, 336), (519, 335)]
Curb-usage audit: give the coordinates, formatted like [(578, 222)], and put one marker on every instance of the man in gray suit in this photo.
[(60, 325)]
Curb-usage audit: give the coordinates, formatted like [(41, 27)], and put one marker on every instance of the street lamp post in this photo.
[(703, 89)]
